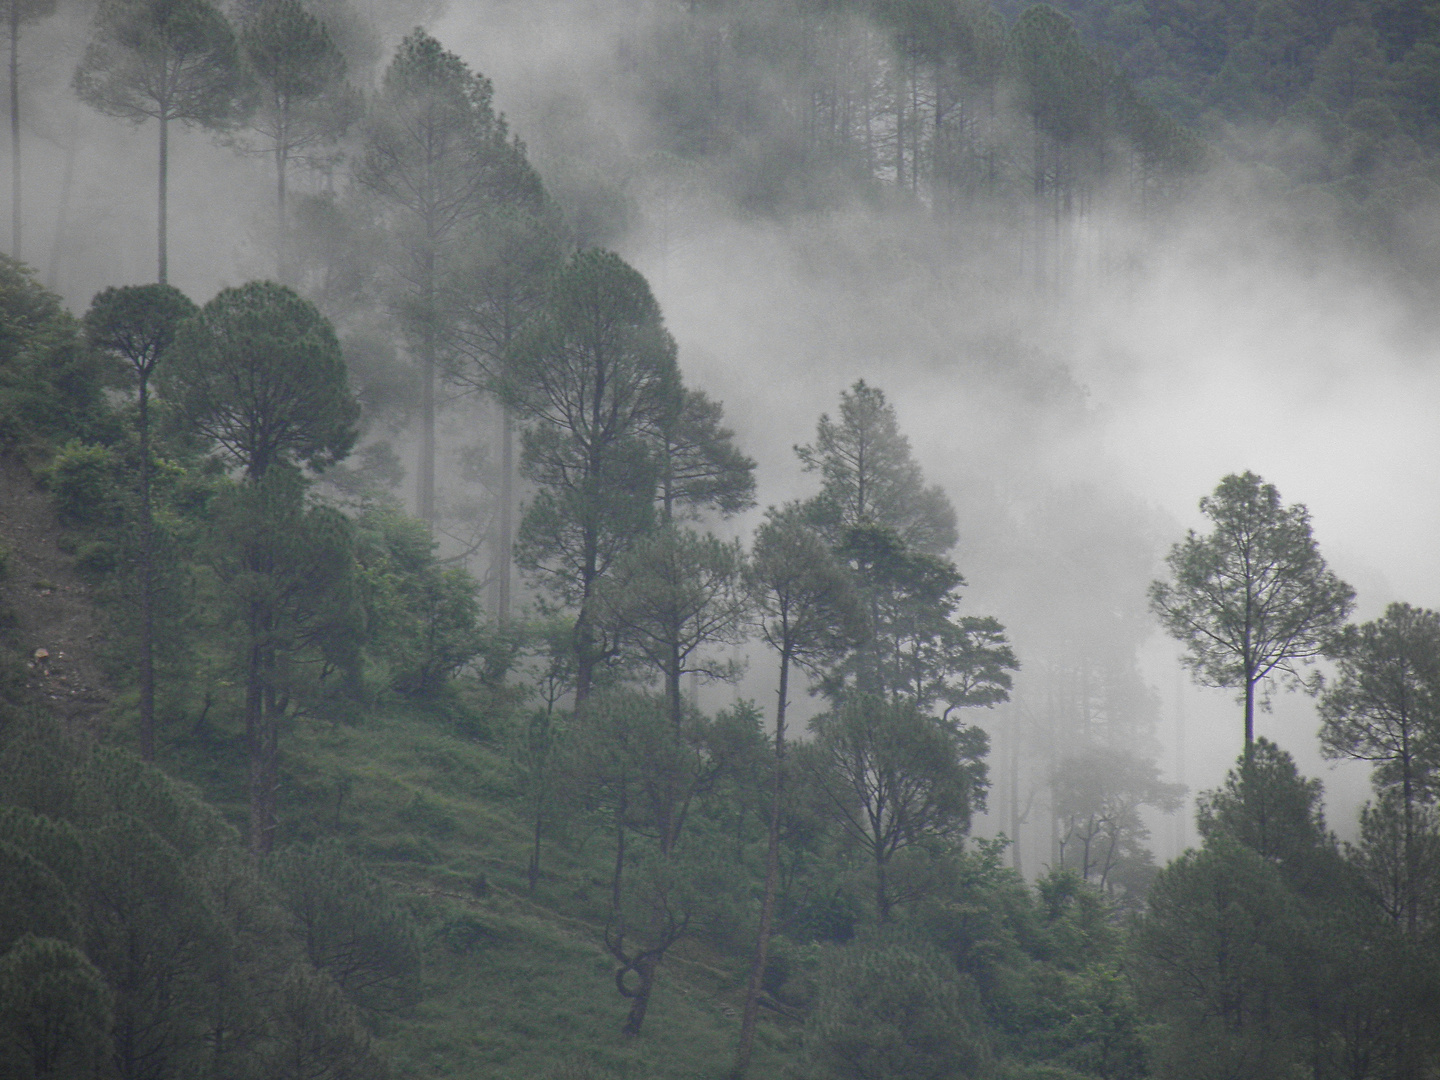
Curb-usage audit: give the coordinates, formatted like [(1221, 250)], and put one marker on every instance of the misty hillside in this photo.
[(782, 538)]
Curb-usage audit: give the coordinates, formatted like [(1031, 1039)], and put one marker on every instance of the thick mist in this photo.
[(1074, 424), (1075, 418)]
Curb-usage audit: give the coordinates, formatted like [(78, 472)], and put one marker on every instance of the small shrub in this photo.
[(81, 479), (466, 934), (351, 925), (424, 814)]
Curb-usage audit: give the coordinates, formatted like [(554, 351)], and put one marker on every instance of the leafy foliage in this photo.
[(594, 374), (868, 477), (168, 952), (352, 927), (895, 779), (1253, 601), (892, 1009), (51, 387), (163, 61), (424, 618), (259, 372)]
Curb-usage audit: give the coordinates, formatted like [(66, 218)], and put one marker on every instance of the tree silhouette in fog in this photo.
[(16, 14), (1254, 600), (162, 60)]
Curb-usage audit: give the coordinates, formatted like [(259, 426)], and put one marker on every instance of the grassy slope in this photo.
[(516, 987)]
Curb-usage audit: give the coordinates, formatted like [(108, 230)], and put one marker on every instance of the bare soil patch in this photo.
[(57, 625)]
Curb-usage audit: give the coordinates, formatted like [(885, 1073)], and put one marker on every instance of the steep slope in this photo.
[(56, 626)]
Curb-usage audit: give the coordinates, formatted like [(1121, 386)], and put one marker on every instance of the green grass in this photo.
[(516, 987)]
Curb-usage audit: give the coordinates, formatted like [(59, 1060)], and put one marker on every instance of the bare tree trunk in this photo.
[(15, 129), (164, 181), (1412, 853), (916, 127), (772, 880), (900, 137), (147, 587), (506, 541), (67, 184), (584, 634), (425, 474), (584, 638), (640, 996), (673, 694), (1249, 714), (1015, 856), (281, 268), (254, 724), (882, 892)]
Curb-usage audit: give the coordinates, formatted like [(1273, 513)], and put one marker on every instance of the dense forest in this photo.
[(402, 676)]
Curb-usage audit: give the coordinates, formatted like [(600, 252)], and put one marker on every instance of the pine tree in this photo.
[(1383, 708), (303, 104), (138, 324), (258, 371), (869, 478), (497, 282), (436, 157), (1253, 601), (594, 374), (808, 614), (164, 60)]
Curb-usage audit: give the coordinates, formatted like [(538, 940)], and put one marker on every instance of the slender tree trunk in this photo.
[(539, 780), (882, 892), (164, 183), (751, 1011), (425, 498), (617, 907), (1412, 862), (15, 129), (584, 638), (282, 269), (617, 878), (640, 996), (585, 633), (672, 685), (1015, 857), (67, 184), (147, 587), (916, 126), (254, 730), (506, 542), (269, 759), (900, 138), (1249, 713)]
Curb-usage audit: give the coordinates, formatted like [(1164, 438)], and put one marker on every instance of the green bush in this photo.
[(894, 1009), (81, 479), (351, 925), (51, 386)]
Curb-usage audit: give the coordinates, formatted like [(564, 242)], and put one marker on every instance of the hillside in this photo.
[(429, 649), (515, 984)]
